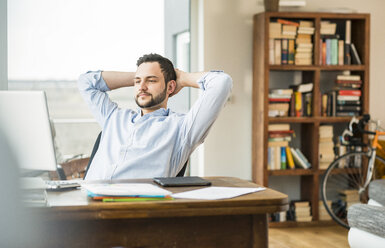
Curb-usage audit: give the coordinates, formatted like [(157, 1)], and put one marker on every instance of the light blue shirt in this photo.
[(157, 144)]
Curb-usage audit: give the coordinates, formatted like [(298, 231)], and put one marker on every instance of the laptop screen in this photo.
[(24, 120)]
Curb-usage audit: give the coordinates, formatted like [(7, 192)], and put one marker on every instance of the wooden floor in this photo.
[(314, 237)]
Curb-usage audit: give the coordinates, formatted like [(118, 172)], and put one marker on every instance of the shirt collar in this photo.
[(158, 112)]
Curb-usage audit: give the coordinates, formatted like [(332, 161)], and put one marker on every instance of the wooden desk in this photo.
[(75, 221)]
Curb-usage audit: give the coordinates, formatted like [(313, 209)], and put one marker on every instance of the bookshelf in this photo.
[(307, 127)]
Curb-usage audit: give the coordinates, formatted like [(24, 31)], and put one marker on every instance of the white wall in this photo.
[(227, 45), (3, 46)]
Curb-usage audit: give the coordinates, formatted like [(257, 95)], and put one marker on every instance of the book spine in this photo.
[(349, 92), (284, 55), (291, 52), (298, 104), (290, 161), (334, 51), (283, 158), (320, 52), (277, 51), (324, 104), (347, 58), (328, 52), (354, 54), (340, 52), (271, 52), (324, 53)]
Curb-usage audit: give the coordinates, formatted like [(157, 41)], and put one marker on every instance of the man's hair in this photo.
[(166, 65)]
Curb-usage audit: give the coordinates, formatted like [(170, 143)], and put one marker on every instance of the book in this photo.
[(340, 52), (290, 161), (298, 160), (349, 92), (277, 51), (349, 77), (334, 51), (291, 51), (303, 158), (285, 51), (271, 52), (278, 127), (283, 158), (354, 55), (277, 143), (348, 28), (287, 22), (305, 87), (348, 98), (282, 91), (298, 104)]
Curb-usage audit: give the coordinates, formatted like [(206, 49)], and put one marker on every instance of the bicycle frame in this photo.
[(375, 145)]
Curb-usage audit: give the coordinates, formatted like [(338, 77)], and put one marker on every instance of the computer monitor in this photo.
[(25, 121)]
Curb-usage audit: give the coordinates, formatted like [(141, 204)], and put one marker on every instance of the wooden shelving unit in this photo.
[(309, 126)]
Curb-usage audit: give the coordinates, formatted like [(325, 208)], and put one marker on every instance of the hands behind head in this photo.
[(179, 84)]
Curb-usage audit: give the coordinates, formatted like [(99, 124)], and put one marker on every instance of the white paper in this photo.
[(216, 193), (126, 189)]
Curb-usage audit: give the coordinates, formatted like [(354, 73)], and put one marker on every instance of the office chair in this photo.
[(95, 149)]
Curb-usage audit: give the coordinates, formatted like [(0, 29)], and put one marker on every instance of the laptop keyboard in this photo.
[(62, 184)]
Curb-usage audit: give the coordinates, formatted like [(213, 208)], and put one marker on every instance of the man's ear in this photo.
[(171, 86)]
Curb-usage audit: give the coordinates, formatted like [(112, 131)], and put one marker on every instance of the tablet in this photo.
[(181, 181)]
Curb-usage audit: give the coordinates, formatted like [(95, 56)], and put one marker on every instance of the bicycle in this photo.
[(348, 176)]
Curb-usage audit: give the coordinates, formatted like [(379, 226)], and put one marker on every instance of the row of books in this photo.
[(336, 51), (280, 155), (290, 42), (345, 98), (296, 101), (301, 211)]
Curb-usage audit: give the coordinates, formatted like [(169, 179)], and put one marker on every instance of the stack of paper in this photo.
[(126, 192), (216, 193)]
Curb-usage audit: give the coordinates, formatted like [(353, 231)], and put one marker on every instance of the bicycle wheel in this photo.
[(343, 184)]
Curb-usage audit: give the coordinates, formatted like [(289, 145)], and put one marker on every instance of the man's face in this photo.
[(150, 88)]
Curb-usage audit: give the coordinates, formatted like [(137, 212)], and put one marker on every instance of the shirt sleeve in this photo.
[(216, 87), (93, 89)]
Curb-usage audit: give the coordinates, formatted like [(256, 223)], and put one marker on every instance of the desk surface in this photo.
[(75, 204)]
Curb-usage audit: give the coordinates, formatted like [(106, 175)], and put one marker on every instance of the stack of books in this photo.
[(301, 102), (333, 49), (278, 217), (350, 197), (322, 212), (126, 192), (304, 44), (302, 211), (280, 155), (326, 146), (279, 102), (279, 137), (290, 42), (348, 95)]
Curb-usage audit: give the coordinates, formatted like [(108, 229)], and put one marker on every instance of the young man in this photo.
[(151, 141)]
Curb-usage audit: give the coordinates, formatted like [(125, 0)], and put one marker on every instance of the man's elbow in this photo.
[(227, 82)]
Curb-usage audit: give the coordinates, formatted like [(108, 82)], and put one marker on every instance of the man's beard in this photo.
[(154, 101)]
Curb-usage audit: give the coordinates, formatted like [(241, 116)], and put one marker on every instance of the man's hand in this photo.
[(185, 79)]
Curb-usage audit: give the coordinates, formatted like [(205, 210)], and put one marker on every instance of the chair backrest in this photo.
[(95, 149)]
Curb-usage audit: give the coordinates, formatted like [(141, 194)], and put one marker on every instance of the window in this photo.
[(50, 43)]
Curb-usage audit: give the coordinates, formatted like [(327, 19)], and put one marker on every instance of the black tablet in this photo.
[(181, 181)]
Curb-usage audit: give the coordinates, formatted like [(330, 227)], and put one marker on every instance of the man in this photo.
[(151, 141)]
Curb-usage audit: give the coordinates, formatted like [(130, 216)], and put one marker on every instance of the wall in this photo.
[(3, 46), (227, 45)]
